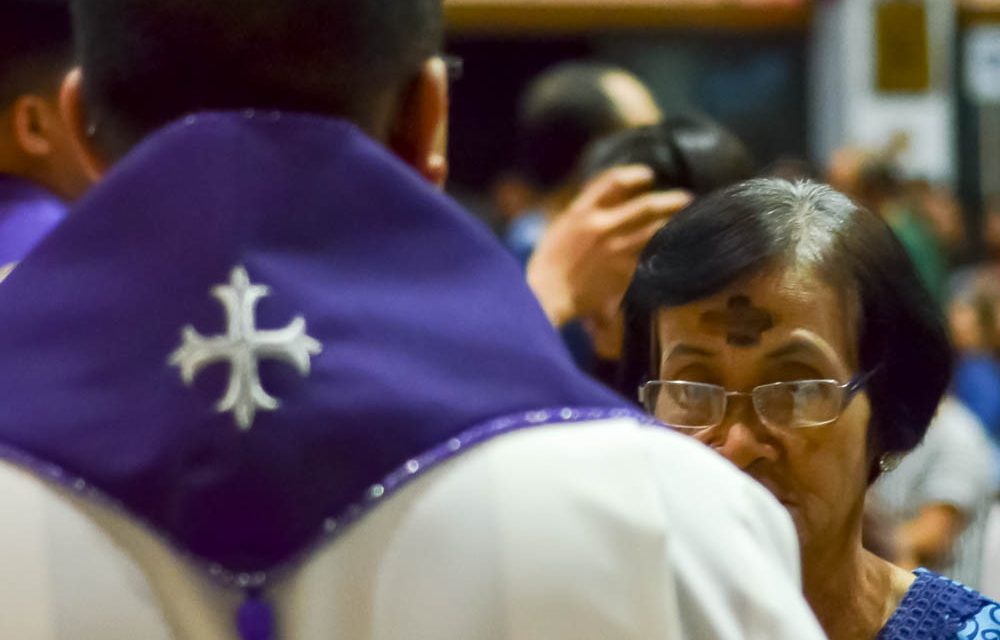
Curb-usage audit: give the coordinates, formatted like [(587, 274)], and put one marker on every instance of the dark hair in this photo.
[(36, 47), (791, 167), (686, 152), (742, 230), (561, 113), (148, 62), (879, 178)]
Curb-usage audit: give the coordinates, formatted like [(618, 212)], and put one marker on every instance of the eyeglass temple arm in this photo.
[(860, 381)]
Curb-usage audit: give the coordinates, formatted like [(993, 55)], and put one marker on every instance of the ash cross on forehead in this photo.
[(742, 323), (244, 346)]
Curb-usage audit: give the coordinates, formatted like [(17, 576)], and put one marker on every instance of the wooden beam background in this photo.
[(975, 12), (535, 17)]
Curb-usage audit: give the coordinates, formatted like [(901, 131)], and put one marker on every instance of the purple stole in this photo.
[(28, 213), (260, 325)]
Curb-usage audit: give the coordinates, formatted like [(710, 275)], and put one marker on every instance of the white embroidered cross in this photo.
[(244, 346)]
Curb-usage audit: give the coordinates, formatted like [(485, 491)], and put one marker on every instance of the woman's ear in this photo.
[(74, 113), (419, 133)]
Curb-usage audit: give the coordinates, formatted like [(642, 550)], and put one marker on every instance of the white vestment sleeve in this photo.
[(593, 532), (62, 577), (735, 553), (604, 531)]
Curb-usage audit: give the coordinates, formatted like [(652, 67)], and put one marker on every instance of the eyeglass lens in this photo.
[(692, 405)]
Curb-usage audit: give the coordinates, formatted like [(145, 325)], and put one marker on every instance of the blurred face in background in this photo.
[(964, 324), (943, 213), (634, 101)]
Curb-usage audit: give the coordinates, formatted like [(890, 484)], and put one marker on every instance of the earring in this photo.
[(889, 462)]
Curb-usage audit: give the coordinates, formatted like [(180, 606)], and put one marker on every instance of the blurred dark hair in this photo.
[(148, 62), (791, 167), (686, 152), (560, 114), (744, 229), (36, 47), (879, 178)]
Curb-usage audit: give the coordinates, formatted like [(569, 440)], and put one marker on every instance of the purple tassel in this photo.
[(255, 620)]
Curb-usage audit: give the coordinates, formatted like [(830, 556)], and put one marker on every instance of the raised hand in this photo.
[(584, 262)]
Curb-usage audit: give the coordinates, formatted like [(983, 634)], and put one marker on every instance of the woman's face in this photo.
[(780, 326)]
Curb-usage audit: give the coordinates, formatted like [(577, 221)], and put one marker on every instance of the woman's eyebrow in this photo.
[(798, 347)]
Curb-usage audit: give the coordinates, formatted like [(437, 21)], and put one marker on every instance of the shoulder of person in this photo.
[(580, 528), (955, 426), (561, 531), (665, 483), (62, 576)]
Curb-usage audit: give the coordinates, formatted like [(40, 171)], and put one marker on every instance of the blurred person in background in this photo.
[(878, 531), (39, 167), (873, 178), (991, 230), (881, 189), (604, 223), (691, 153), (940, 209), (561, 112), (792, 168), (974, 313), (938, 499), (785, 327)]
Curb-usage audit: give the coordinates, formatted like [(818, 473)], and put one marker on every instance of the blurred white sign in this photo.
[(982, 64)]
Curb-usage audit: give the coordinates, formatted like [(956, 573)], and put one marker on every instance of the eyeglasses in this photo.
[(800, 404)]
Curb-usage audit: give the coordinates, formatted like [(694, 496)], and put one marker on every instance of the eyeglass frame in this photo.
[(851, 389)]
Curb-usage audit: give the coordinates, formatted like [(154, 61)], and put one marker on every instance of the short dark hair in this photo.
[(561, 113), (148, 62), (747, 228), (684, 152), (36, 47)]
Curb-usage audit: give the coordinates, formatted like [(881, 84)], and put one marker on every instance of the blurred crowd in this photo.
[(931, 518)]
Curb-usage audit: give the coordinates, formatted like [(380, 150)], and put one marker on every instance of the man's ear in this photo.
[(74, 112), (33, 126), (419, 133)]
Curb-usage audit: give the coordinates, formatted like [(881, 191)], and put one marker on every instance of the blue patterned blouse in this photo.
[(936, 608)]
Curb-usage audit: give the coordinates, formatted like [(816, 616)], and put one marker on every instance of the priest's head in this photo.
[(145, 63), (36, 52)]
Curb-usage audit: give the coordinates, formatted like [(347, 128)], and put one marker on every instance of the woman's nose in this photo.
[(745, 441)]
